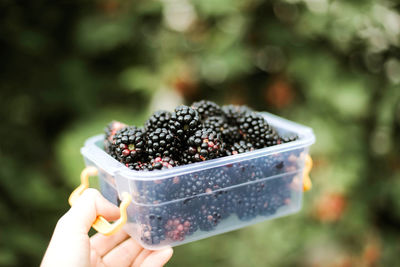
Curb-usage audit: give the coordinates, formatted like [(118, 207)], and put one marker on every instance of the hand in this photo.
[(70, 244)]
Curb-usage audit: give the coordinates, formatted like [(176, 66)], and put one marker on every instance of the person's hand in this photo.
[(71, 246)]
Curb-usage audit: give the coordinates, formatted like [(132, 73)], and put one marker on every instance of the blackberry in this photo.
[(139, 166), (128, 144), (152, 235), (264, 204), (209, 216), (221, 199), (188, 186), (206, 109), (204, 144), (272, 164), (257, 131), (219, 124), (110, 131), (184, 121), (158, 119), (278, 194), (193, 224), (288, 138), (231, 135), (163, 163), (239, 147), (153, 221), (199, 183), (160, 143), (232, 199), (245, 171), (179, 225), (233, 113), (186, 158), (218, 178), (247, 205), (155, 192)]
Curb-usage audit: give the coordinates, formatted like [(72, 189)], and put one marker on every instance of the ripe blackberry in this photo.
[(184, 121), (139, 166), (206, 109), (153, 220), (288, 138), (155, 192), (128, 144), (163, 163), (247, 208), (221, 199), (257, 131), (246, 171), (186, 158), (218, 178), (219, 124), (110, 130), (278, 194), (233, 113), (209, 216), (204, 144), (159, 119), (193, 184), (239, 147), (160, 143), (272, 164), (188, 186)]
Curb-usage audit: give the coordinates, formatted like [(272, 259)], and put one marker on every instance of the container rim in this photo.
[(97, 155)]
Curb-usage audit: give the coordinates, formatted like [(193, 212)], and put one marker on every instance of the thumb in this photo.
[(85, 210)]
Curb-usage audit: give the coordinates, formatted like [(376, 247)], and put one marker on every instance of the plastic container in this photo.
[(191, 202)]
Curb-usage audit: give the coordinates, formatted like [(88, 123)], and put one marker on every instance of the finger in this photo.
[(140, 258), (85, 210), (157, 258), (123, 254), (103, 244)]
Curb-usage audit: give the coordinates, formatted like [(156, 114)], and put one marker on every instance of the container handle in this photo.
[(307, 184), (101, 225)]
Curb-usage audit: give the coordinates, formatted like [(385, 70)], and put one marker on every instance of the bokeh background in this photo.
[(69, 67)]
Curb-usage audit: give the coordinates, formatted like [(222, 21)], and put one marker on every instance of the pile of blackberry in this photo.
[(190, 134), (196, 133)]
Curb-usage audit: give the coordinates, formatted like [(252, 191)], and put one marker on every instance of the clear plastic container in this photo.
[(225, 193)]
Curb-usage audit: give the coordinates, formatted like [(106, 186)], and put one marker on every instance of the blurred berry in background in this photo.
[(69, 67)]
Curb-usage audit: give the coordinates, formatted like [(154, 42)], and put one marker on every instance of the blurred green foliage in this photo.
[(69, 67)]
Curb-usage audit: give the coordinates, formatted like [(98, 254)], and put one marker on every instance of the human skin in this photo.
[(71, 245)]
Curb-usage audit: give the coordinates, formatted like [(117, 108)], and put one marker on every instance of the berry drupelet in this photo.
[(203, 145), (128, 144), (206, 109), (184, 121)]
